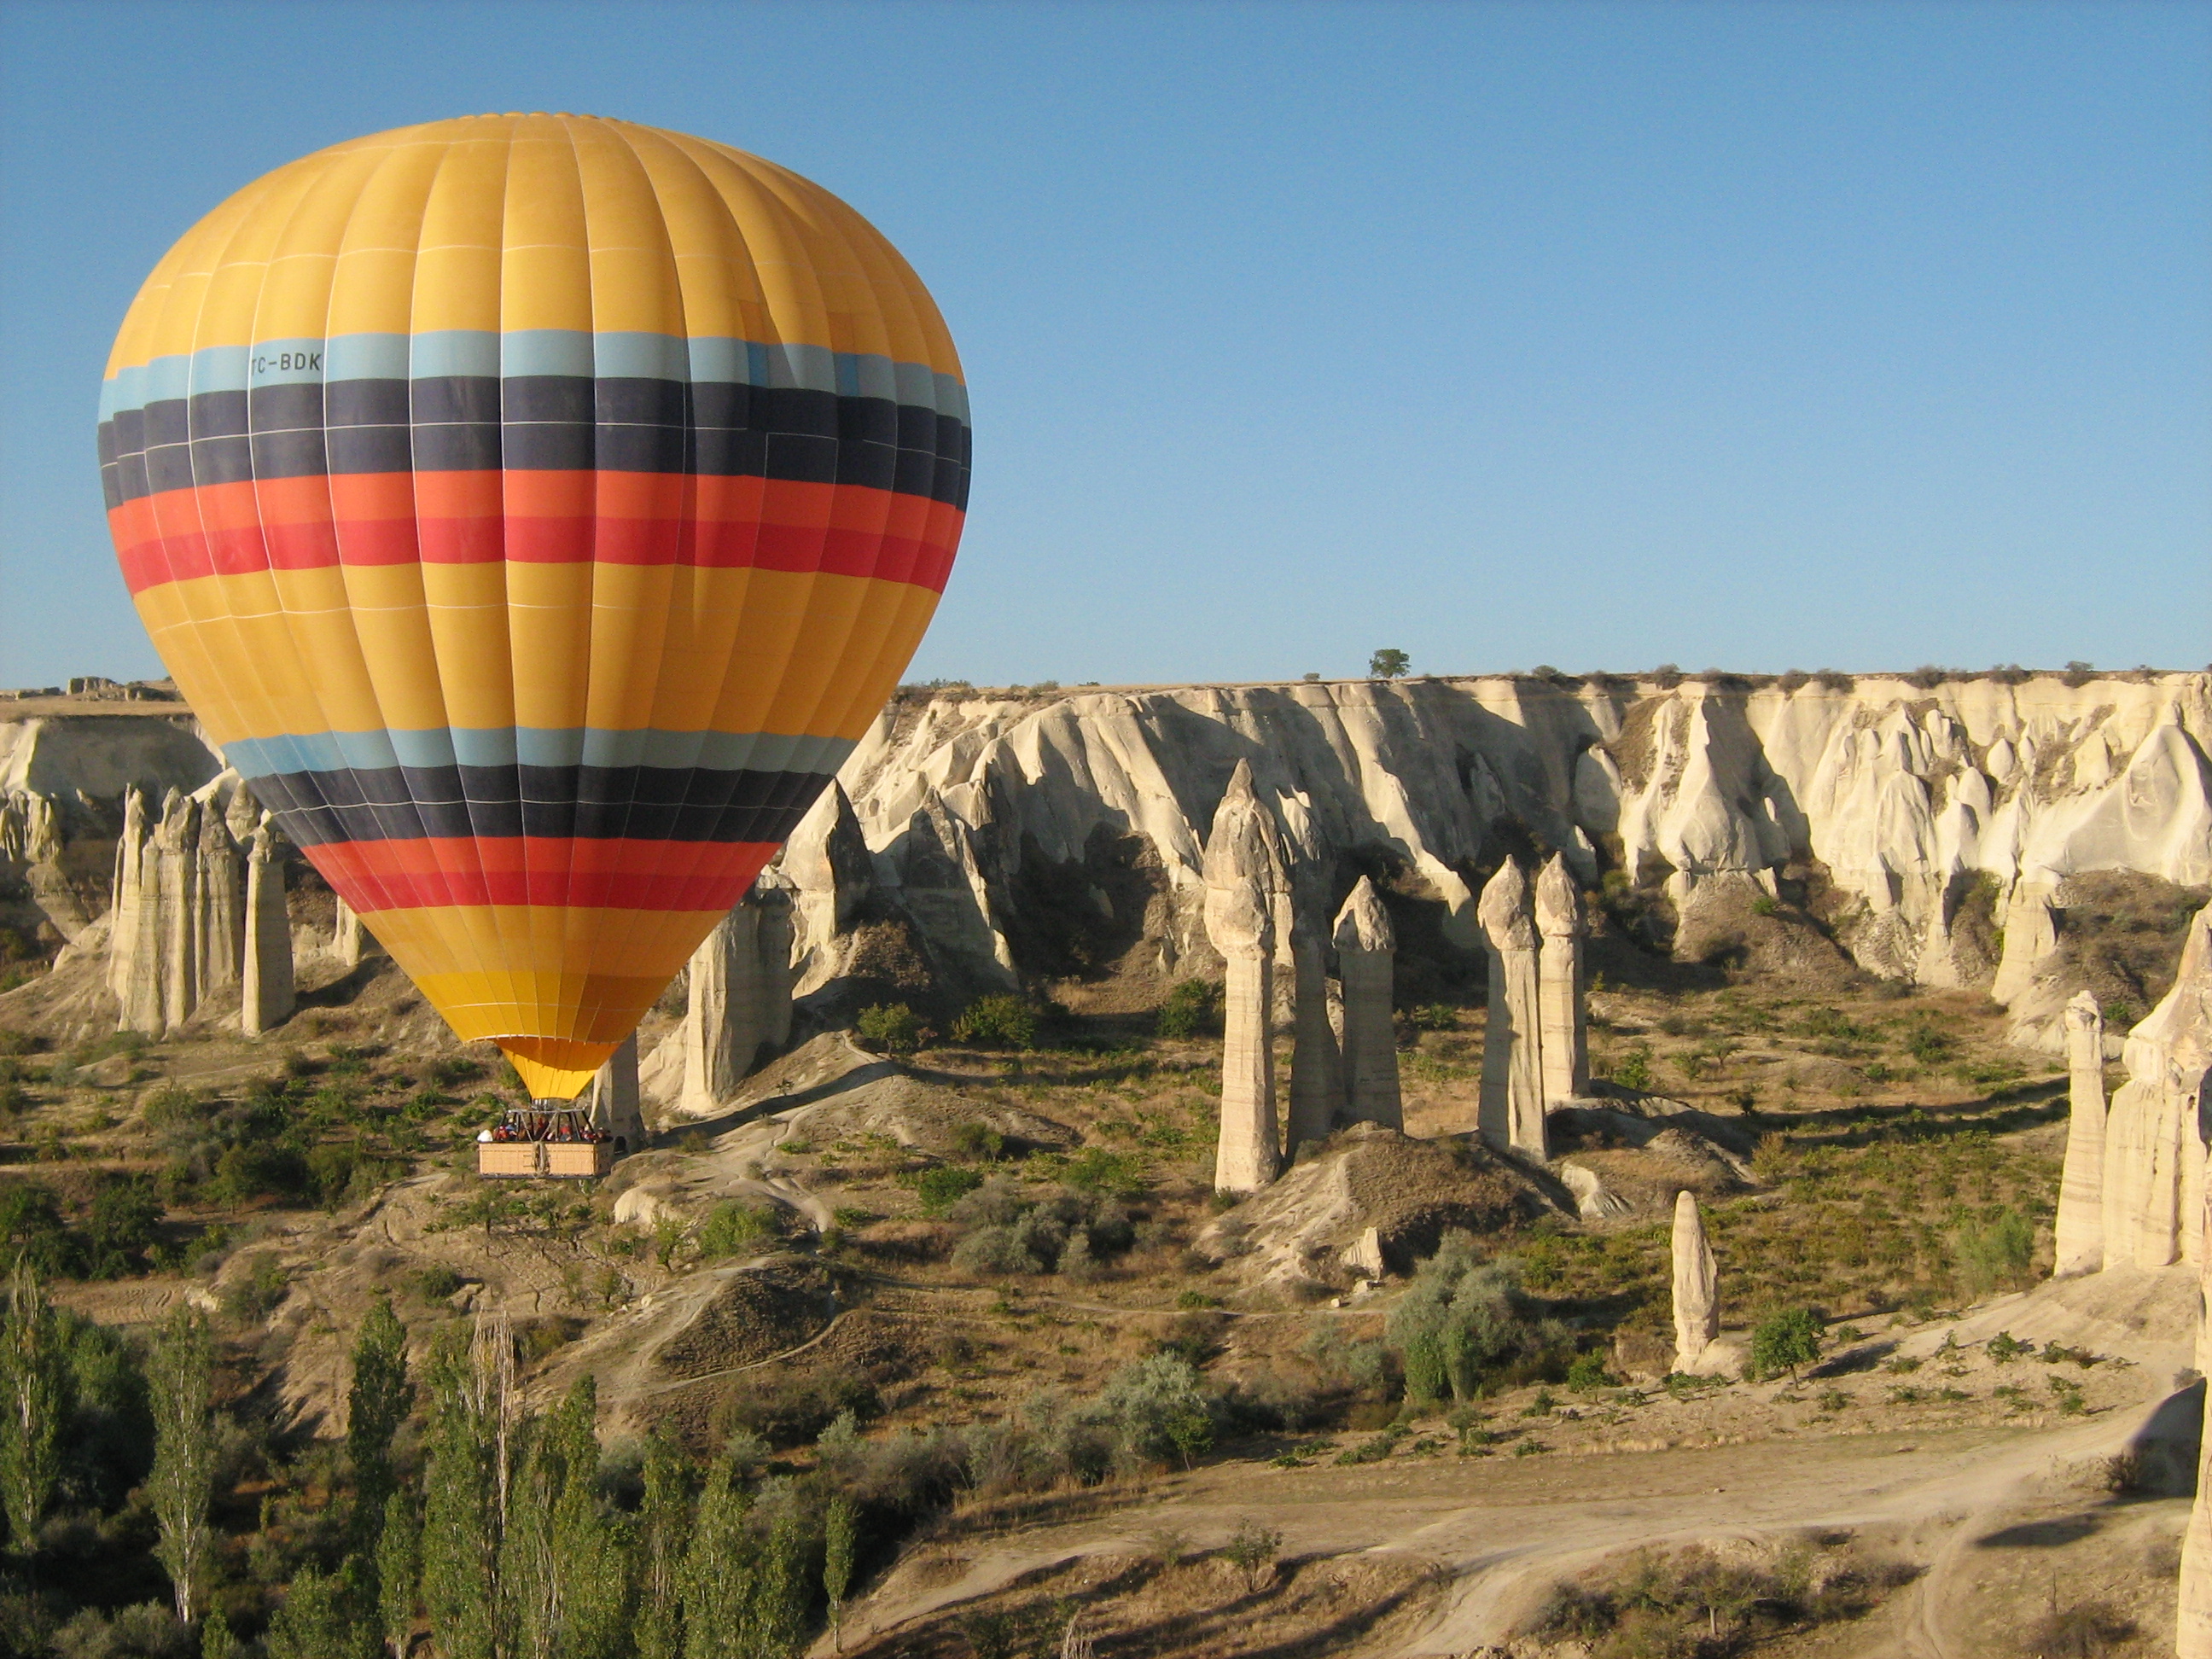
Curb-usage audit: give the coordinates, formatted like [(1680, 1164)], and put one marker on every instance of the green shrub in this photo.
[(891, 1028), (121, 1226), (1100, 1171), (978, 1141), (453, 1071), (1588, 1372), (997, 1022), (1783, 1341), (1191, 1009), (1464, 1323), (734, 1228), (1993, 1254), (1433, 1016), (942, 1185), (1633, 1069)]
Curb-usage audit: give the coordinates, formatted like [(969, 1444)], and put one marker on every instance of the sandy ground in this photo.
[(1989, 1511)]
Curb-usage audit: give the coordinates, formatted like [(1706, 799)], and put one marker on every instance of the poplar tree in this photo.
[(34, 1397), (180, 1375), (464, 1492), (717, 1576), (398, 1573), (376, 1405), (664, 1529), (591, 1547), (838, 1529)]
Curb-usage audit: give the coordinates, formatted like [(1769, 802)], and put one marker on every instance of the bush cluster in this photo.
[(1465, 1326), (1067, 1231), (997, 1022)]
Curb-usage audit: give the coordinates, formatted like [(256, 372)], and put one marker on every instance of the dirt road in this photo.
[(1505, 1530)]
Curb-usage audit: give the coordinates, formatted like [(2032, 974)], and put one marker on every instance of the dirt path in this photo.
[(1506, 1530)]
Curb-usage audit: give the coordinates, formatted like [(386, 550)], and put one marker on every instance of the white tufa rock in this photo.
[(2078, 1241), (177, 925), (959, 794), (738, 1000), (1512, 1110), (1366, 956), (1696, 1286), (1563, 1029), (1363, 1255), (1317, 1089), (2155, 1153), (614, 1099), (2192, 1635), (270, 992), (1242, 871), (346, 934)]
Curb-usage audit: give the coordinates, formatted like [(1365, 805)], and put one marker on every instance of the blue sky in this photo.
[(1756, 335)]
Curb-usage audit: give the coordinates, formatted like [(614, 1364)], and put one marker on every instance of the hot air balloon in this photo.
[(535, 509)]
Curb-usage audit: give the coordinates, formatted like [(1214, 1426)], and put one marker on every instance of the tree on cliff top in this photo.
[(1388, 664)]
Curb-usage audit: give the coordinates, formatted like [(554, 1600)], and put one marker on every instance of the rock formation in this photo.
[(177, 914), (739, 998), (2192, 1635), (1512, 1111), (2155, 1153), (1696, 1286), (134, 959), (1316, 1091), (1697, 781), (1563, 1030), (1241, 881), (2079, 1230), (270, 994), (2030, 935), (346, 935), (1366, 952), (614, 1098)]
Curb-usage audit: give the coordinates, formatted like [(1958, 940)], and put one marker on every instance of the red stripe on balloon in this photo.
[(627, 875), (238, 529)]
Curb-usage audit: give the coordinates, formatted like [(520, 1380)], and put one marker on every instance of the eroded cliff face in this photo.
[(1014, 832)]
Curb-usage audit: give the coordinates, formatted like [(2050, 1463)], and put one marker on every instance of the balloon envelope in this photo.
[(536, 509)]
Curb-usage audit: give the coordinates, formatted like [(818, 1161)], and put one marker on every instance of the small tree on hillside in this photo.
[(180, 1375), (1785, 1340), (1389, 664), (375, 1408), (34, 1397)]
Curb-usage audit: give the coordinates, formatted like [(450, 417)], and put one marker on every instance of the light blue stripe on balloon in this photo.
[(506, 745), (486, 353), (443, 352), (369, 356)]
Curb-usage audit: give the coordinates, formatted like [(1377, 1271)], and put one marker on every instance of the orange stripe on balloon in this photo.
[(849, 530), (629, 875)]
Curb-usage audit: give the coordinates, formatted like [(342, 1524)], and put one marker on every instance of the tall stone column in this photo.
[(2192, 1635), (346, 935), (2079, 1230), (134, 943), (270, 992), (1697, 1284), (1316, 1067), (2155, 1153), (1564, 1036), (1512, 1113), (2031, 934), (722, 1030), (1239, 901), (219, 907), (772, 944), (614, 1103), (1366, 962), (178, 841)]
